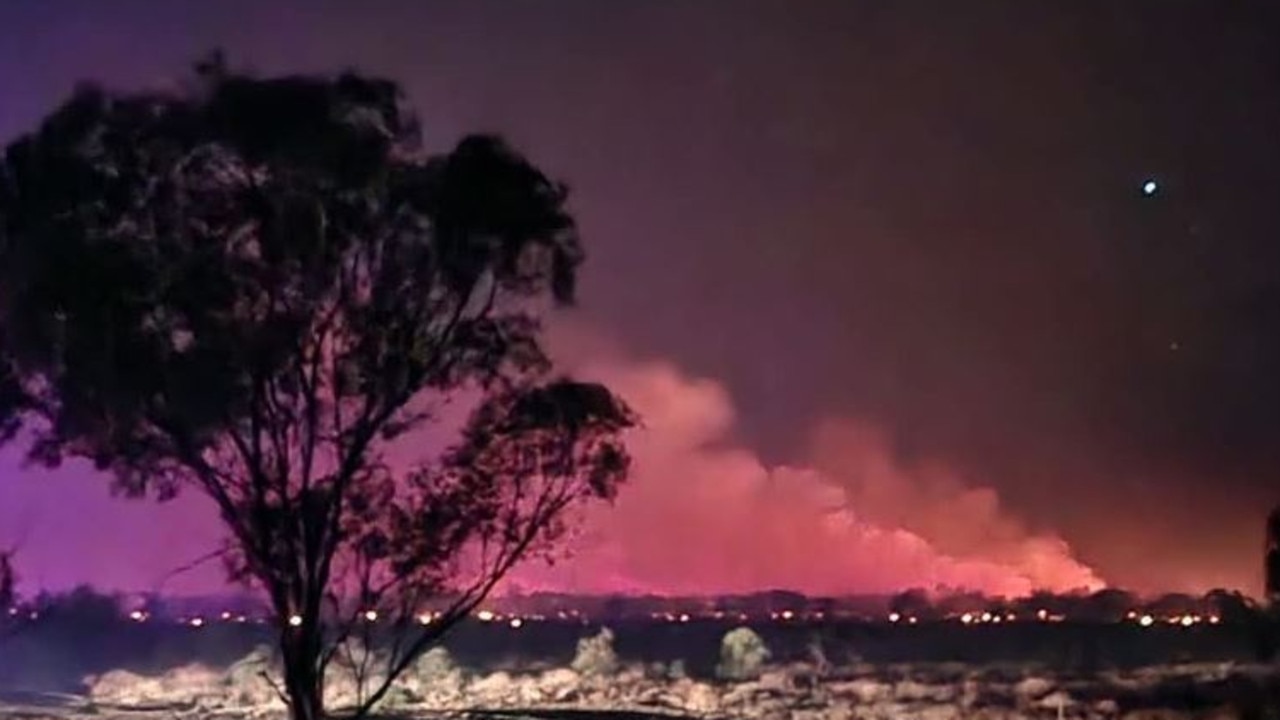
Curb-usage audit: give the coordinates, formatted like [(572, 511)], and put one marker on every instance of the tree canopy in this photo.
[(255, 287), (8, 582)]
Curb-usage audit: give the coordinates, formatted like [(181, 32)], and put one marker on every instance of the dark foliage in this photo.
[(8, 582), (256, 287), (912, 603)]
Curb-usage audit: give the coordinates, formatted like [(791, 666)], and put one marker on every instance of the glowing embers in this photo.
[(1186, 620), (989, 617)]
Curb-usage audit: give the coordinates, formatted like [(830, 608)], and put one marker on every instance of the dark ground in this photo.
[(55, 658)]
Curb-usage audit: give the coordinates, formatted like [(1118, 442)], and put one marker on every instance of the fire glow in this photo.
[(895, 522)]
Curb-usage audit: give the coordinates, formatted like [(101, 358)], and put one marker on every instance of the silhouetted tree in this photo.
[(8, 582), (1046, 602), (1271, 555), (254, 288), (1107, 606), (962, 602), (1173, 604), (1259, 622), (8, 593), (82, 608), (912, 603)]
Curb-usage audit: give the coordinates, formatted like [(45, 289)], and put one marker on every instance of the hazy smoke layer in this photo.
[(701, 515)]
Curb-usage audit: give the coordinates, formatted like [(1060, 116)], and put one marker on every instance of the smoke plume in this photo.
[(702, 515)]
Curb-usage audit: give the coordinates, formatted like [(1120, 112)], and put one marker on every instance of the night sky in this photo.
[(883, 277)]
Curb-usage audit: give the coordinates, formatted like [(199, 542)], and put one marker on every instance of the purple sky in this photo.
[(920, 218)]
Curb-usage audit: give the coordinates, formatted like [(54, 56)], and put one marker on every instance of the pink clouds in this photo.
[(701, 515)]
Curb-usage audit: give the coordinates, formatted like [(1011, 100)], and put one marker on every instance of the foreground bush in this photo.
[(595, 655), (742, 655)]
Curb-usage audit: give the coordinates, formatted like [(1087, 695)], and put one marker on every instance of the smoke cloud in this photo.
[(702, 515)]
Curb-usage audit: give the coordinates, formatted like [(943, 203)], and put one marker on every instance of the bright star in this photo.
[(1150, 187)]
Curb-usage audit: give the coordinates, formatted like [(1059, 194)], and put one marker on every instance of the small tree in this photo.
[(255, 288), (912, 603), (8, 582), (8, 593)]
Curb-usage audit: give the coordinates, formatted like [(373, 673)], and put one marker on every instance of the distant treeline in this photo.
[(89, 605)]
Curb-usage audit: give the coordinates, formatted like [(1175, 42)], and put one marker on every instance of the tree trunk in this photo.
[(303, 684)]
